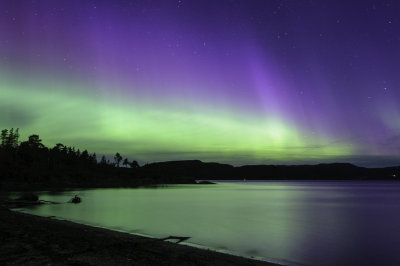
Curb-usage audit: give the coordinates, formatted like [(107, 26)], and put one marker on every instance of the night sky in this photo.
[(241, 82)]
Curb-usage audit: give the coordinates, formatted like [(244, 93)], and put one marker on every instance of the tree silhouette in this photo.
[(93, 158), (4, 136), (59, 147), (134, 164), (9, 138), (103, 160), (125, 162), (117, 159), (35, 142), (85, 155), (13, 138)]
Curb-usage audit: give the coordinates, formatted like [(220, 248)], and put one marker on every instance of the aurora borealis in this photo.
[(229, 81)]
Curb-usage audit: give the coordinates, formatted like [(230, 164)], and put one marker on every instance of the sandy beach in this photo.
[(32, 240)]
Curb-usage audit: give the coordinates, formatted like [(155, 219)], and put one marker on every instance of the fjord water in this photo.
[(312, 223)]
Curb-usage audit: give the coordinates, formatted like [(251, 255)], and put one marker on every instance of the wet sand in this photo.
[(32, 240)]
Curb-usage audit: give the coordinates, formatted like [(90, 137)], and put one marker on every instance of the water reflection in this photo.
[(317, 223)]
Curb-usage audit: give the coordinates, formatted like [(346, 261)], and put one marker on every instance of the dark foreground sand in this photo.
[(32, 240)]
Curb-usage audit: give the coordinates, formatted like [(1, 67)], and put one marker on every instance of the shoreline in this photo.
[(36, 240), (193, 245)]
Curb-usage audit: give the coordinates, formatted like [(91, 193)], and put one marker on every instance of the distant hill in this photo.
[(214, 171)]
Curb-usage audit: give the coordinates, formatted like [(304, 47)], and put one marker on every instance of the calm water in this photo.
[(314, 223)]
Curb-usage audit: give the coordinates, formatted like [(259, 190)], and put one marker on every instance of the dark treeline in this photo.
[(30, 164)]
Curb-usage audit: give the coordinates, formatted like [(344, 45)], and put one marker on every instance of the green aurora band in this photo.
[(146, 130)]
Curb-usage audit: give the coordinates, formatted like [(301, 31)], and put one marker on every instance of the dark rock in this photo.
[(76, 199)]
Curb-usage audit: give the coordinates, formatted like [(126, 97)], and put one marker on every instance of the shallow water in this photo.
[(314, 223)]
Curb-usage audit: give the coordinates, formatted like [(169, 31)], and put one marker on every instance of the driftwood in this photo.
[(17, 203), (205, 182), (179, 238), (50, 202)]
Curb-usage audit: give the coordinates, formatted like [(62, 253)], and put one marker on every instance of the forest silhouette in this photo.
[(30, 164)]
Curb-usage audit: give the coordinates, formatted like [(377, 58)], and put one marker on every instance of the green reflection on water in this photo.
[(307, 222)]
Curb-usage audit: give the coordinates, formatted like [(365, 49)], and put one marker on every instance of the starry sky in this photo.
[(241, 82)]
